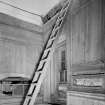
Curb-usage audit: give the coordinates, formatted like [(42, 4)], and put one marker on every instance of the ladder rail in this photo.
[(44, 60)]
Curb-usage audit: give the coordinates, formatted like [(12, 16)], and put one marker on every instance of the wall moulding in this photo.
[(89, 77), (13, 40), (93, 67), (90, 80), (89, 83)]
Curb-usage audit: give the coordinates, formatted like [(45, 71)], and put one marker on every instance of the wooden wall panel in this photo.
[(86, 31), (94, 32), (86, 42), (19, 51), (78, 36)]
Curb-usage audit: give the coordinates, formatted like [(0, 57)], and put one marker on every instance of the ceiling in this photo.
[(28, 10), (40, 7)]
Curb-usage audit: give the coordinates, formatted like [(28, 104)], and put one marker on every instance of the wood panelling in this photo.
[(19, 51), (85, 37), (78, 36), (86, 33), (94, 37), (86, 41)]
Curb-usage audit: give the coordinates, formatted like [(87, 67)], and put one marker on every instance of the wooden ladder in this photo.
[(42, 67)]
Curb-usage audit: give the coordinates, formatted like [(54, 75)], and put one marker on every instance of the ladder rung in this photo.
[(41, 65), (31, 90), (54, 34), (32, 87), (36, 77), (58, 24), (29, 95), (64, 10), (62, 15), (50, 43), (46, 53), (38, 72)]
